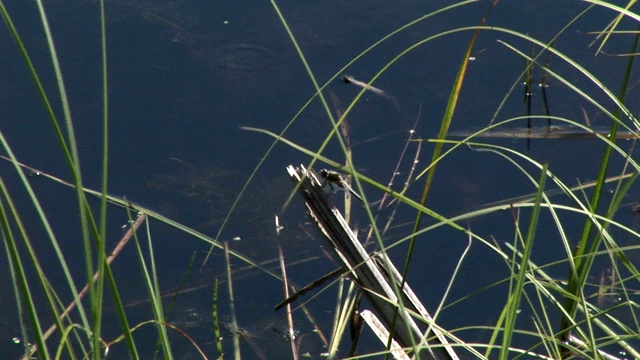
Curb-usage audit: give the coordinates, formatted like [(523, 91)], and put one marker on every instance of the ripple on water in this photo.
[(244, 57)]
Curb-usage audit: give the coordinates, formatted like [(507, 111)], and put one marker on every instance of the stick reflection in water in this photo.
[(552, 132), (248, 337)]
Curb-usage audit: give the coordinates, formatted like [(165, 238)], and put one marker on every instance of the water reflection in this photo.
[(210, 189), (255, 342), (551, 132), (191, 317), (176, 14), (243, 57), (247, 337)]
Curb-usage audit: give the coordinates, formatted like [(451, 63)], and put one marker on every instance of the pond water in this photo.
[(185, 76)]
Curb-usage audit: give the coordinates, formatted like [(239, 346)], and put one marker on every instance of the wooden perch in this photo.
[(375, 274)]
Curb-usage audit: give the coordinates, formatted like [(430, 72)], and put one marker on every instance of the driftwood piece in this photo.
[(375, 274)]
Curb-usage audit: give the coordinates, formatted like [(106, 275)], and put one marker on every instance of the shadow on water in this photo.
[(202, 194), (209, 189), (243, 57)]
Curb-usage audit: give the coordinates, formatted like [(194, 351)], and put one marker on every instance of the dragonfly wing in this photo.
[(352, 192)]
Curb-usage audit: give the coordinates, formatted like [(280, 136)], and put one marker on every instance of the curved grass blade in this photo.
[(583, 264)]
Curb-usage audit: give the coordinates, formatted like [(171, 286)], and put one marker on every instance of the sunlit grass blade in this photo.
[(86, 218), (103, 266), (444, 129), (613, 25), (452, 104), (22, 289), (516, 291), (121, 314), (149, 271), (585, 246), (346, 302)]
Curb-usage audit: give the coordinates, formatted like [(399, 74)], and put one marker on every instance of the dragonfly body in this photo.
[(350, 80), (334, 177)]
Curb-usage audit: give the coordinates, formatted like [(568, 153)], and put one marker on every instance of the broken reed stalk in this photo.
[(374, 274)]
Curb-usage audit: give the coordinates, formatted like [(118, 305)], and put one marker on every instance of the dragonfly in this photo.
[(351, 80), (334, 177)]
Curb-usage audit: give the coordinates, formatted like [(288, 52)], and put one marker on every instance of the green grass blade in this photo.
[(153, 289), (95, 290), (583, 264), (68, 154), (216, 321), (103, 268), (20, 281), (121, 313), (516, 293)]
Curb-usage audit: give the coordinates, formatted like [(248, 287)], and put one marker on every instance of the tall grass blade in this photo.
[(582, 258), (233, 326), (11, 157), (95, 291), (517, 290), (150, 274), (121, 314), (21, 284), (216, 321), (101, 238)]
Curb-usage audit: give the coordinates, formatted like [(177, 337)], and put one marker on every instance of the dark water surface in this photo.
[(184, 76)]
